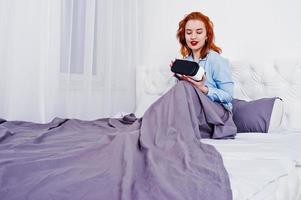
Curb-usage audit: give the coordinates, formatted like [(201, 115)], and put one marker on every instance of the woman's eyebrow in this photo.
[(199, 29)]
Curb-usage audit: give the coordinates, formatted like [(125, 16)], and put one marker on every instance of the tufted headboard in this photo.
[(253, 80), (269, 79)]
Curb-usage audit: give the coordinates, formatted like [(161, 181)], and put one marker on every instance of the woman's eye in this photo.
[(188, 33), (199, 32)]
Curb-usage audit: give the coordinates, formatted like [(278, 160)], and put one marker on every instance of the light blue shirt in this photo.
[(218, 78)]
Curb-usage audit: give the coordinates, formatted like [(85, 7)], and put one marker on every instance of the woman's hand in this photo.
[(179, 77), (199, 84), (171, 63)]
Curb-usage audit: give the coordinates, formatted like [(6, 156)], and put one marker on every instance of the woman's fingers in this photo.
[(184, 77), (171, 62), (178, 76), (194, 82)]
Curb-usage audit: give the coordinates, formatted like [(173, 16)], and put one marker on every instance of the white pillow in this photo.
[(276, 116)]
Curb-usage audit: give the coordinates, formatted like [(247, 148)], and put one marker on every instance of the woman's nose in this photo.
[(193, 35)]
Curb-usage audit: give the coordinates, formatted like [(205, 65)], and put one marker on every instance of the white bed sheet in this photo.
[(285, 188), (259, 163), (257, 145)]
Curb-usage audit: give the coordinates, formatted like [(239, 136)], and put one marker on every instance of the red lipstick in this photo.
[(193, 43)]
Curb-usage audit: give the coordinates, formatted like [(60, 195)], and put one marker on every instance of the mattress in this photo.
[(262, 166)]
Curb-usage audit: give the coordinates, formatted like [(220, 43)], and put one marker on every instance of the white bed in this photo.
[(260, 166)]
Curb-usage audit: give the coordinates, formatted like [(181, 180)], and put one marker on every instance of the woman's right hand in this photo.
[(199, 84), (174, 74), (171, 63)]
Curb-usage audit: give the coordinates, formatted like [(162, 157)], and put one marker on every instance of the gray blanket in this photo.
[(159, 156)]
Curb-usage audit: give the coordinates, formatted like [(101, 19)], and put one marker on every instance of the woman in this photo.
[(215, 88), (196, 37)]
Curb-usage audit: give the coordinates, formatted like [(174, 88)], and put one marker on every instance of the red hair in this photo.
[(209, 44)]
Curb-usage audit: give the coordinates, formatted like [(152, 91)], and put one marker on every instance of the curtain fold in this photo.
[(29, 58), (67, 58)]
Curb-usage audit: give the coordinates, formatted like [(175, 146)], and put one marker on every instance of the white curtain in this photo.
[(67, 58)]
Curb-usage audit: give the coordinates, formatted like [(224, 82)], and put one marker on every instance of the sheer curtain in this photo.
[(67, 58)]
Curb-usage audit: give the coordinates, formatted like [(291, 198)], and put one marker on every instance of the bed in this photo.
[(260, 165), (158, 156)]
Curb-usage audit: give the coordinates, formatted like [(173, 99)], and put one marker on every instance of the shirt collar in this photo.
[(190, 58)]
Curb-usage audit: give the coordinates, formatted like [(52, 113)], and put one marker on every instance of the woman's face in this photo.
[(195, 34)]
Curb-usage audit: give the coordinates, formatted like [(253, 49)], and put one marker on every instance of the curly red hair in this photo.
[(209, 44)]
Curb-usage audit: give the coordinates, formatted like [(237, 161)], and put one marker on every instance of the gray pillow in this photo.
[(253, 116)]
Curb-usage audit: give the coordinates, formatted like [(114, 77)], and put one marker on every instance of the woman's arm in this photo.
[(223, 92), (223, 79)]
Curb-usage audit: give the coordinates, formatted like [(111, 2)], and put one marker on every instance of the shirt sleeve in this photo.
[(224, 84)]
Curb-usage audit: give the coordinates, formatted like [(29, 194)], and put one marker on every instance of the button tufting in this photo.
[(275, 79)]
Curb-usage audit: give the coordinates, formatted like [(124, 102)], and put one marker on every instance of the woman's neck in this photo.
[(196, 55)]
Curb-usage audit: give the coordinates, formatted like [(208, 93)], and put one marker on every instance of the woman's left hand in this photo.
[(199, 84)]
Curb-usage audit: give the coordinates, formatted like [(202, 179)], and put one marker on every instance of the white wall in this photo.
[(257, 29)]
